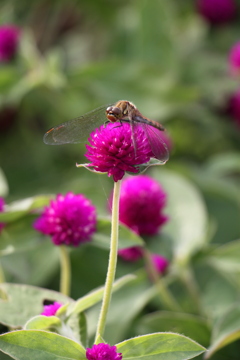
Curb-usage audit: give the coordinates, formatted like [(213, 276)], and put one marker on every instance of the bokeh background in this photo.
[(170, 58), (74, 56)]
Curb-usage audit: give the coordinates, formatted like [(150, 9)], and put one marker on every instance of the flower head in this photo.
[(111, 150), (50, 310), (234, 59), (69, 220), (142, 201), (233, 107), (9, 38), (103, 352), (160, 263), (2, 203), (217, 11), (131, 254)]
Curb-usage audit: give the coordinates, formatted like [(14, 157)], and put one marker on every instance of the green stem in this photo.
[(166, 297), (65, 277), (112, 263)]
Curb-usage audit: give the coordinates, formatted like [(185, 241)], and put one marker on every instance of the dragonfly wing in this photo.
[(76, 130), (158, 146), (133, 127)]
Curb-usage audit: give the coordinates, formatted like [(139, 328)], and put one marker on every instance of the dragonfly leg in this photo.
[(106, 122), (118, 125)]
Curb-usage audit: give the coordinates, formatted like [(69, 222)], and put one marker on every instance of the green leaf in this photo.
[(20, 208), (42, 322), (40, 345), (160, 346), (127, 237), (226, 258), (218, 293), (222, 197), (224, 164), (96, 295), (188, 217), (53, 324), (226, 330), (32, 263), (24, 302), (83, 329), (189, 325)]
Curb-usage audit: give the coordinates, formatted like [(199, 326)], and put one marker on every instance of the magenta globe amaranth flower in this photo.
[(69, 220), (9, 39), (142, 201), (2, 203), (217, 12), (50, 310), (234, 59), (160, 263), (111, 150), (103, 352), (131, 254)]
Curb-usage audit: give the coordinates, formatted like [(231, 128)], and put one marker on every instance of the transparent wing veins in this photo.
[(76, 130)]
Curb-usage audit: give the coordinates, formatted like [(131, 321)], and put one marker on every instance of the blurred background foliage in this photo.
[(77, 55), (163, 56)]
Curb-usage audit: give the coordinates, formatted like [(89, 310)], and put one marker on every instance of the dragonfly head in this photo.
[(113, 113)]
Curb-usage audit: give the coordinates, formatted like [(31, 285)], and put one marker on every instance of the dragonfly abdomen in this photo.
[(147, 121)]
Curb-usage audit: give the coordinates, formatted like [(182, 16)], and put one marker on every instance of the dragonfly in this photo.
[(78, 129)]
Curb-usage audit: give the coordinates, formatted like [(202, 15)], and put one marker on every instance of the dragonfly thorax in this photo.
[(119, 111)]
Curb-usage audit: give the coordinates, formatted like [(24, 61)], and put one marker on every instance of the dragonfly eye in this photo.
[(116, 111)]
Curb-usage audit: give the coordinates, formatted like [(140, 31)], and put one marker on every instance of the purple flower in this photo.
[(131, 254), (233, 107), (217, 12), (70, 220), (234, 59), (103, 352), (9, 38), (2, 203), (160, 263), (50, 310), (111, 150), (142, 201)]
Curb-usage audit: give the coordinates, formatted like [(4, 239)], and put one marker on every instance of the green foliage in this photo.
[(95, 296), (193, 326), (162, 55), (28, 344), (19, 303), (189, 217), (25, 344), (160, 345), (225, 330), (133, 297)]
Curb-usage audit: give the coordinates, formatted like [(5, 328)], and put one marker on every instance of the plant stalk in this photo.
[(65, 277), (112, 263)]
